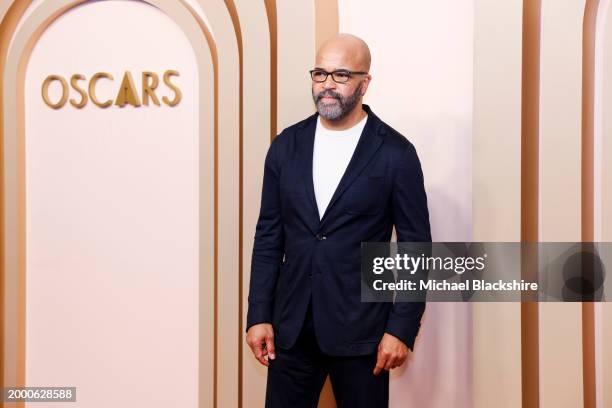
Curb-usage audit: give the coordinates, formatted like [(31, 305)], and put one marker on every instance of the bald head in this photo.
[(338, 97), (347, 48)]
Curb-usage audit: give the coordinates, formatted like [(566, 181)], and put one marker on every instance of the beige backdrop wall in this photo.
[(491, 94), (422, 86)]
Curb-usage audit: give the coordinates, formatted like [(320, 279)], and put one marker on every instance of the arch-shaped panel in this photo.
[(257, 111), (227, 193), (14, 200)]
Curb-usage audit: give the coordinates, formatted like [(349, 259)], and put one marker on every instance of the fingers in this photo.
[(389, 364), (387, 361), (270, 347), (396, 361), (260, 353), (381, 361), (257, 347), (262, 345)]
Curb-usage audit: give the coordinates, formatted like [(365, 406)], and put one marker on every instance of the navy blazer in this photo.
[(296, 255)]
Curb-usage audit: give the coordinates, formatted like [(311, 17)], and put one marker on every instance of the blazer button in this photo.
[(321, 237)]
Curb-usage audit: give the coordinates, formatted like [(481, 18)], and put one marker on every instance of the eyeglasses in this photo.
[(339, 76)]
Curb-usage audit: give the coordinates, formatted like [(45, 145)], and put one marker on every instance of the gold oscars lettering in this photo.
[(127, 94)]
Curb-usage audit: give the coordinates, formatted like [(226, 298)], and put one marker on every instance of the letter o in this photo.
[(45, 91)]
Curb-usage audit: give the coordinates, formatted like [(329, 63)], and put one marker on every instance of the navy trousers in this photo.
[(296, 376)]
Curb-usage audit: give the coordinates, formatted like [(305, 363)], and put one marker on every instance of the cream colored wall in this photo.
[(560, 130), (459, 101), (422, 85), (497, 191)]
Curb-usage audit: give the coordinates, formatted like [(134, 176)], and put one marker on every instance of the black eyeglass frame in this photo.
[(339, 71)]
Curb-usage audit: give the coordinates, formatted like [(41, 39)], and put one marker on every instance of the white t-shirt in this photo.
[(332, 152)]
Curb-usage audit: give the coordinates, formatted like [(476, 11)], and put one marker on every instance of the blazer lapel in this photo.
[(368, 144), (307, 138)]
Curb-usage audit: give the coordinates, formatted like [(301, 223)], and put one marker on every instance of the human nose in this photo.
[(329, 82)]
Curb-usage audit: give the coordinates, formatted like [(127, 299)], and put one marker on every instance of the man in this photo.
[(334, 180)]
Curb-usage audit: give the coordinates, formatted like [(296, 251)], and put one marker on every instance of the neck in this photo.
[(348, 121)]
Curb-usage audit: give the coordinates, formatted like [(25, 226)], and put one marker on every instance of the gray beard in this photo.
[(341, 108)]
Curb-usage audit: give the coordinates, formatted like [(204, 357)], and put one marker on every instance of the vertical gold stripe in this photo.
[(327, 21), (530, 120), (216, 235), (530, 193), (214, 55), (327, 24), (588, 119), (272, 24), (588, 191), (231, 7), (7, 27)]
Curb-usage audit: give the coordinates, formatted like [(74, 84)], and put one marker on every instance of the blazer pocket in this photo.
[(365, 196)]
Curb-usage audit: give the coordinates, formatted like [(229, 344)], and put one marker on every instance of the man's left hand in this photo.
[(392, 352)]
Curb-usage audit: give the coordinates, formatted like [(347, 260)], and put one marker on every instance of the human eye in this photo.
[(342, 76), (319, 75)]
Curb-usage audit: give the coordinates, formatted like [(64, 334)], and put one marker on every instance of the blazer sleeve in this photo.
[(411, 220), (268, 248)]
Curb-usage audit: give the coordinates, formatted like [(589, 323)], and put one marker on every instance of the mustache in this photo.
[(331, 93)]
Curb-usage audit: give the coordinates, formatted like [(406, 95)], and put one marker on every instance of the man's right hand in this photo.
[(260, 337)]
